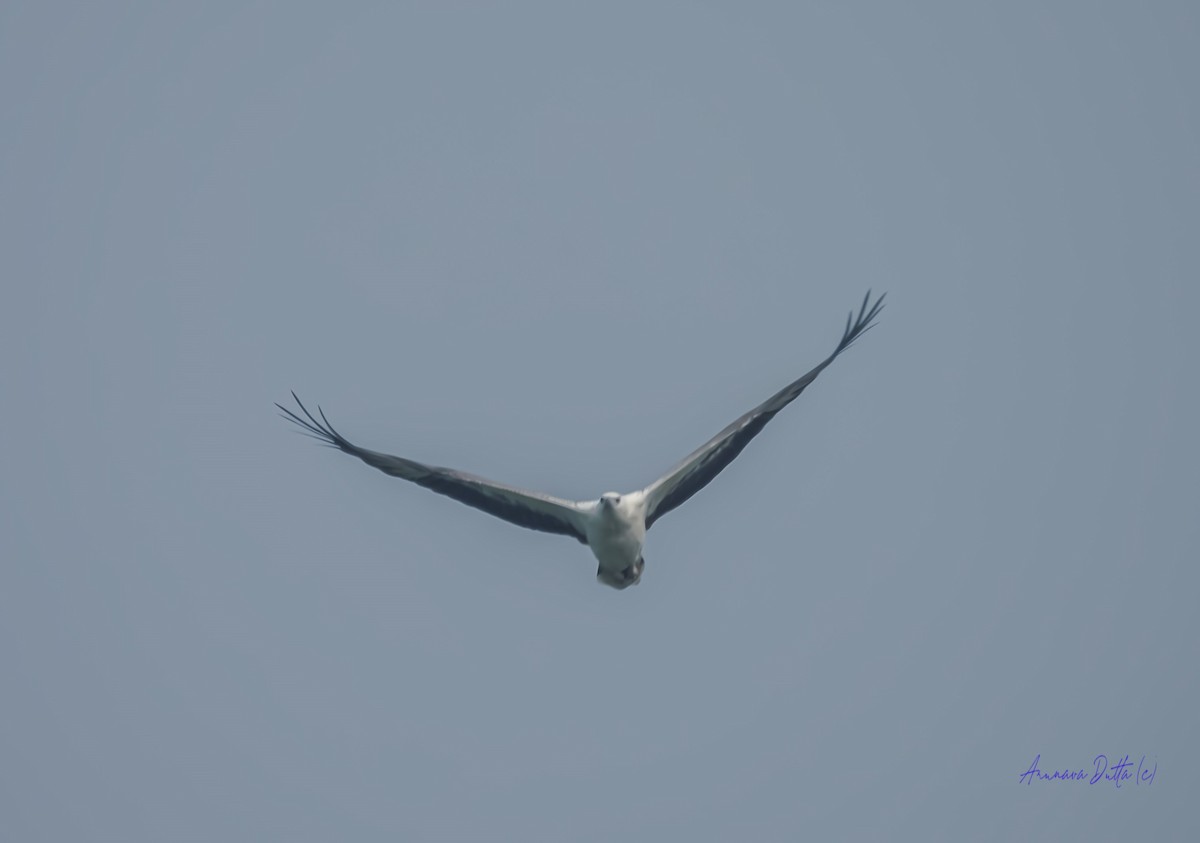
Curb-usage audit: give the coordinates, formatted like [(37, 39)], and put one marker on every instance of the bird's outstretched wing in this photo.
[(707, 461), (525, 509)]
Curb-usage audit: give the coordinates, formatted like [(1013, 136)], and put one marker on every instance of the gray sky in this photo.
[(561, 246)]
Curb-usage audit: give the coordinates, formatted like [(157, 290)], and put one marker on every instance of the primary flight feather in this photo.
[(614, 526)]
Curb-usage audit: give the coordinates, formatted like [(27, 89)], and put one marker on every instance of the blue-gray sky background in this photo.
[(560, 246)]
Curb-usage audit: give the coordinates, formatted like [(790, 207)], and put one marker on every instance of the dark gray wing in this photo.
[(525, 509), (707, 461)]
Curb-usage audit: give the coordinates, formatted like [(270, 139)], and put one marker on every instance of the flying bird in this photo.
[(613, 526)]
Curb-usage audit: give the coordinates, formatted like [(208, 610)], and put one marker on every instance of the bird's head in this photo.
[(609, 500)]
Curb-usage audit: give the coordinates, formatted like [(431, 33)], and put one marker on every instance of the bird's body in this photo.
[(614, 525), (616, 531)]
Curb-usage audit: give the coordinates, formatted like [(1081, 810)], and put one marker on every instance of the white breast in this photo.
[(616, 533)]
